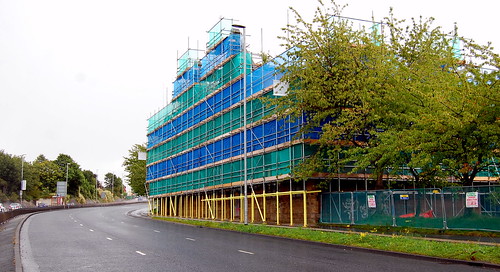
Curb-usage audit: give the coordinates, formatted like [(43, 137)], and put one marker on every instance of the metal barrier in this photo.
[(475, 208), (4, 216)]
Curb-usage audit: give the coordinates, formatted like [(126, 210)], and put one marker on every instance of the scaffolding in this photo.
[(216, 140), (197, 153)]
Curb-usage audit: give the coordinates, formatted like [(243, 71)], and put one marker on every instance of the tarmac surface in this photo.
[(9, 241)]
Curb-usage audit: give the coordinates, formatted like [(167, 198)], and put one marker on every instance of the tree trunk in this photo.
[(379, 182)]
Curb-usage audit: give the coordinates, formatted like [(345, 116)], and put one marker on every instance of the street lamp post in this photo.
[(96, 178), (22, 178), (67, 164), (67, 167), (245, 158)]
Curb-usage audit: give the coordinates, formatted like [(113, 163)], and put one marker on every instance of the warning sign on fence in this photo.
[(371, 201), (472, 199)]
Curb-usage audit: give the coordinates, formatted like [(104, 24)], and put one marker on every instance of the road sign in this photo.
[(62, 188)]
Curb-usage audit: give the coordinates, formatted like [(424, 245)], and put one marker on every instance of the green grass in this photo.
[(407, 230), (396, 243)]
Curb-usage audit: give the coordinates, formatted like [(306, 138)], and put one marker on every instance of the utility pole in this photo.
[(23, 183), (245, 156), (96, 180), (67, 167)]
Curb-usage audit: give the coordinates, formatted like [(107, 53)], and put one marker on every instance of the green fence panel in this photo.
[(475, 208)]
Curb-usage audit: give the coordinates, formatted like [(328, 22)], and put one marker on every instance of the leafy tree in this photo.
[(89, 188), (10, 178), (136, 169), (49, 174), (10, 173), (77, 183), (404, 99), (453, 100), (114, 184)]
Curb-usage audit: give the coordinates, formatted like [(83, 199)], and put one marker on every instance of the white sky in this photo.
[(81, 77)]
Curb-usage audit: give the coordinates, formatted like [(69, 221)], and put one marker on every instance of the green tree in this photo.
[(402, 99), (78, 185), (10, 174), (136, 169), (49, 174), (453, 100), (114, 184), (10, 178), (89, 188)]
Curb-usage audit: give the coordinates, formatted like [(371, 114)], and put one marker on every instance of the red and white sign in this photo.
[(472, 199), (371, 201)]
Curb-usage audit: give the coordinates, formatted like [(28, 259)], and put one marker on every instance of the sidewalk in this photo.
[(8, 243)]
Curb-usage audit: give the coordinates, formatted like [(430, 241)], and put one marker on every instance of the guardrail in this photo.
[(4, 216)]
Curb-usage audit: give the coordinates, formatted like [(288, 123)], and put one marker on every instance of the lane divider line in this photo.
[(109, 238), (246, 252), (190, 239), (140, 253), (157, 231)]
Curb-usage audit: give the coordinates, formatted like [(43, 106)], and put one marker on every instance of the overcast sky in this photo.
[(81, 77)]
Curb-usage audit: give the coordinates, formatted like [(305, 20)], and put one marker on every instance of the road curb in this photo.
[(17, 242)]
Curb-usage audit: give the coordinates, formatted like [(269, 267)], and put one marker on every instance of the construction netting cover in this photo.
[(475, 208), (198, 141), (269, 164)]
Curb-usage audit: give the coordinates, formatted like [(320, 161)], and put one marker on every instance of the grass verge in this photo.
[(395, 243), (410, 230)]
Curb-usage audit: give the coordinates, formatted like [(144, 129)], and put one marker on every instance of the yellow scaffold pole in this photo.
[(241, 209), (192, 206), (305, 208), (264, 203), (277, 208), (232, 206), (209, 206)]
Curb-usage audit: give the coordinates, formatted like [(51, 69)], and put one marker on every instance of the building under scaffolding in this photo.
[(216, 136), (217, 152)]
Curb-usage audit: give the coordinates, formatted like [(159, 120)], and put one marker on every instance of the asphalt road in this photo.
[(109, 239)]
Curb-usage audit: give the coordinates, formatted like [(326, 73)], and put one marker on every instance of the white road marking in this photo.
[(156, 231), (81, 225), (138, 252), (109, 238), (190, 239), (91, 229), (246, 252)]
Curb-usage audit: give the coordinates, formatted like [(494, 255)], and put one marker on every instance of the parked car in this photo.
[(2, 208), (14, 206)]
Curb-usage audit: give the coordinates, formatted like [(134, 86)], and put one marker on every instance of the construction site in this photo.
[(217, 152), (216, 136)]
